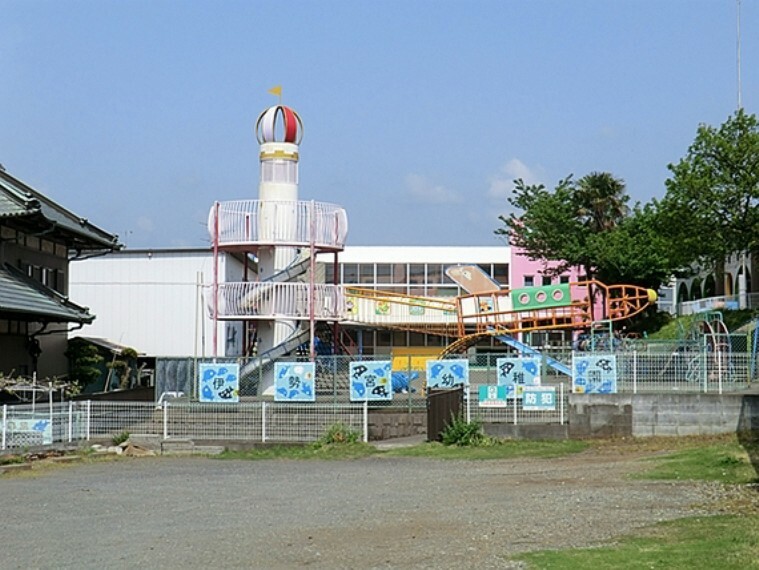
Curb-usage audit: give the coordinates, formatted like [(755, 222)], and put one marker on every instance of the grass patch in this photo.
[(724, 542), (726, 462), (495, 449), (320, 451)]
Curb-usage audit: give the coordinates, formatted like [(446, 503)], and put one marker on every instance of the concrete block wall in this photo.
[(646, 415), (388, 424)]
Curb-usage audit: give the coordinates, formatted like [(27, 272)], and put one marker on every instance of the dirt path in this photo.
[(378, 512)]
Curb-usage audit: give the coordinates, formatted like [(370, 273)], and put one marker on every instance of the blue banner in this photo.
[(294, 382), (219, 383), (447, 373), (371, 380), (594, 374)]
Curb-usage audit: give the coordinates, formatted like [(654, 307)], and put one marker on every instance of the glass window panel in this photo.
[(501, 273), (399, 338), (399, 273), (350, 273), (416, 273), (529, 280), (400, 290), (446, 291), (384, 273), (415, 339), (564, 279), (366, 272), (383, 338), (434, 274), (329, 273), (486, 268), (546, 280)]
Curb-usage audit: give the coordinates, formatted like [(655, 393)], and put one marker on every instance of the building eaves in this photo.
[(19, 200), (22, 298)]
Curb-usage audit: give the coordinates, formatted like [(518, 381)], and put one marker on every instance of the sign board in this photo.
[(294, 382), (594, 374), (492, 396), (515, 373), (371, 380), (219, 383), (447, 373), (539, 399)]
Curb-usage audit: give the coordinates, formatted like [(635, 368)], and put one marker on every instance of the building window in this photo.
[(384, 273), (366, 273), (546, 280), (329, 272), (564, 279), (501, 273), (400, 275), (416, 273), (350, 273), (529, 280), (434, 274)]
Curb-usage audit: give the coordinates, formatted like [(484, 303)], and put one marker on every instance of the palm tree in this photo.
[(601, 201)]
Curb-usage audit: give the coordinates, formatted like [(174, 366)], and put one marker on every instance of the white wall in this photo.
[(149, 300)]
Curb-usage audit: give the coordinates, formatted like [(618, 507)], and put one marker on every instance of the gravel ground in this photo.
[(377, 512)]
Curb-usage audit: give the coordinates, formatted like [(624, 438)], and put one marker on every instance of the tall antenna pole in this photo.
[(738, 49)]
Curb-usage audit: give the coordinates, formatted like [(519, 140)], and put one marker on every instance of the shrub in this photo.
[(339, 433), (120, 438), (463, 433)]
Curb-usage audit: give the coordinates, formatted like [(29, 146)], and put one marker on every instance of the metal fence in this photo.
[(25, 426), (670, 366), (514, 411)]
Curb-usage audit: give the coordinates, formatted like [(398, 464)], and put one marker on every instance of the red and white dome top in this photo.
[(290, 126)]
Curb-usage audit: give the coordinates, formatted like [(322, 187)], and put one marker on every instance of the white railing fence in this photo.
[(265, 422)]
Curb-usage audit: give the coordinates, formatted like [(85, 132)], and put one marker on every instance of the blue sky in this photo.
[(418, 114)]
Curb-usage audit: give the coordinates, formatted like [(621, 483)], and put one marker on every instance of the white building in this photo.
[(157, 300), (152, 300)]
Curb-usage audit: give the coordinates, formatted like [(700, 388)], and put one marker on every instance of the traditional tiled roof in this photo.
[(24, 299), (20, 204)]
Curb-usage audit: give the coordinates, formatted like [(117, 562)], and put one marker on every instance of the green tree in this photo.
[(84, 362), (588, 224), (711, 207), (601, 201)]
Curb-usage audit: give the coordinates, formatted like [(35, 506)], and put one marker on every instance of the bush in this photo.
[(463, 433), (120, 438), (339, 433)]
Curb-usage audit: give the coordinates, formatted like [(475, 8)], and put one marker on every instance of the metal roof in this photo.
[(24, 299), (22, 204)]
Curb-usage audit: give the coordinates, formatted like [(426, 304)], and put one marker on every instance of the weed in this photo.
[(120, 438)]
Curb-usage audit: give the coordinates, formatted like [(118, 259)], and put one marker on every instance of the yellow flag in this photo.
[(276, 90)]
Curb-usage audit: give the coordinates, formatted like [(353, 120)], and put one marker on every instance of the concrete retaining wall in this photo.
[(642, 415)]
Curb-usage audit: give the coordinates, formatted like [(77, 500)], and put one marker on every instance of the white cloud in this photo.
[(502, 183), (145, 224), (421, 189)]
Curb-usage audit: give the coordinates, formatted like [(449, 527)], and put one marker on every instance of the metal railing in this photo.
[(271, 222), (267, 300), (731, 302)]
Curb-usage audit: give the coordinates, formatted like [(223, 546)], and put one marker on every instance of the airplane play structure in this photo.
[(282, 298)]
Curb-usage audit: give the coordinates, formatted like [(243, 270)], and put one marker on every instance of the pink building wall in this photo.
[(522, 266)]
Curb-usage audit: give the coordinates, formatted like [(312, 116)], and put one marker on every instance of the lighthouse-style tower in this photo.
[(283, 235)]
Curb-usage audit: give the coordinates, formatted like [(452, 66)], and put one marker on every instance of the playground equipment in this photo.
[(281, 236), (705, 344)]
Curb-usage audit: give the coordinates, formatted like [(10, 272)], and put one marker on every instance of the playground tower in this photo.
[(282, 236)]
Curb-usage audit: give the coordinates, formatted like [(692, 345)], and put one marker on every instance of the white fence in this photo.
[(265, 422)]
